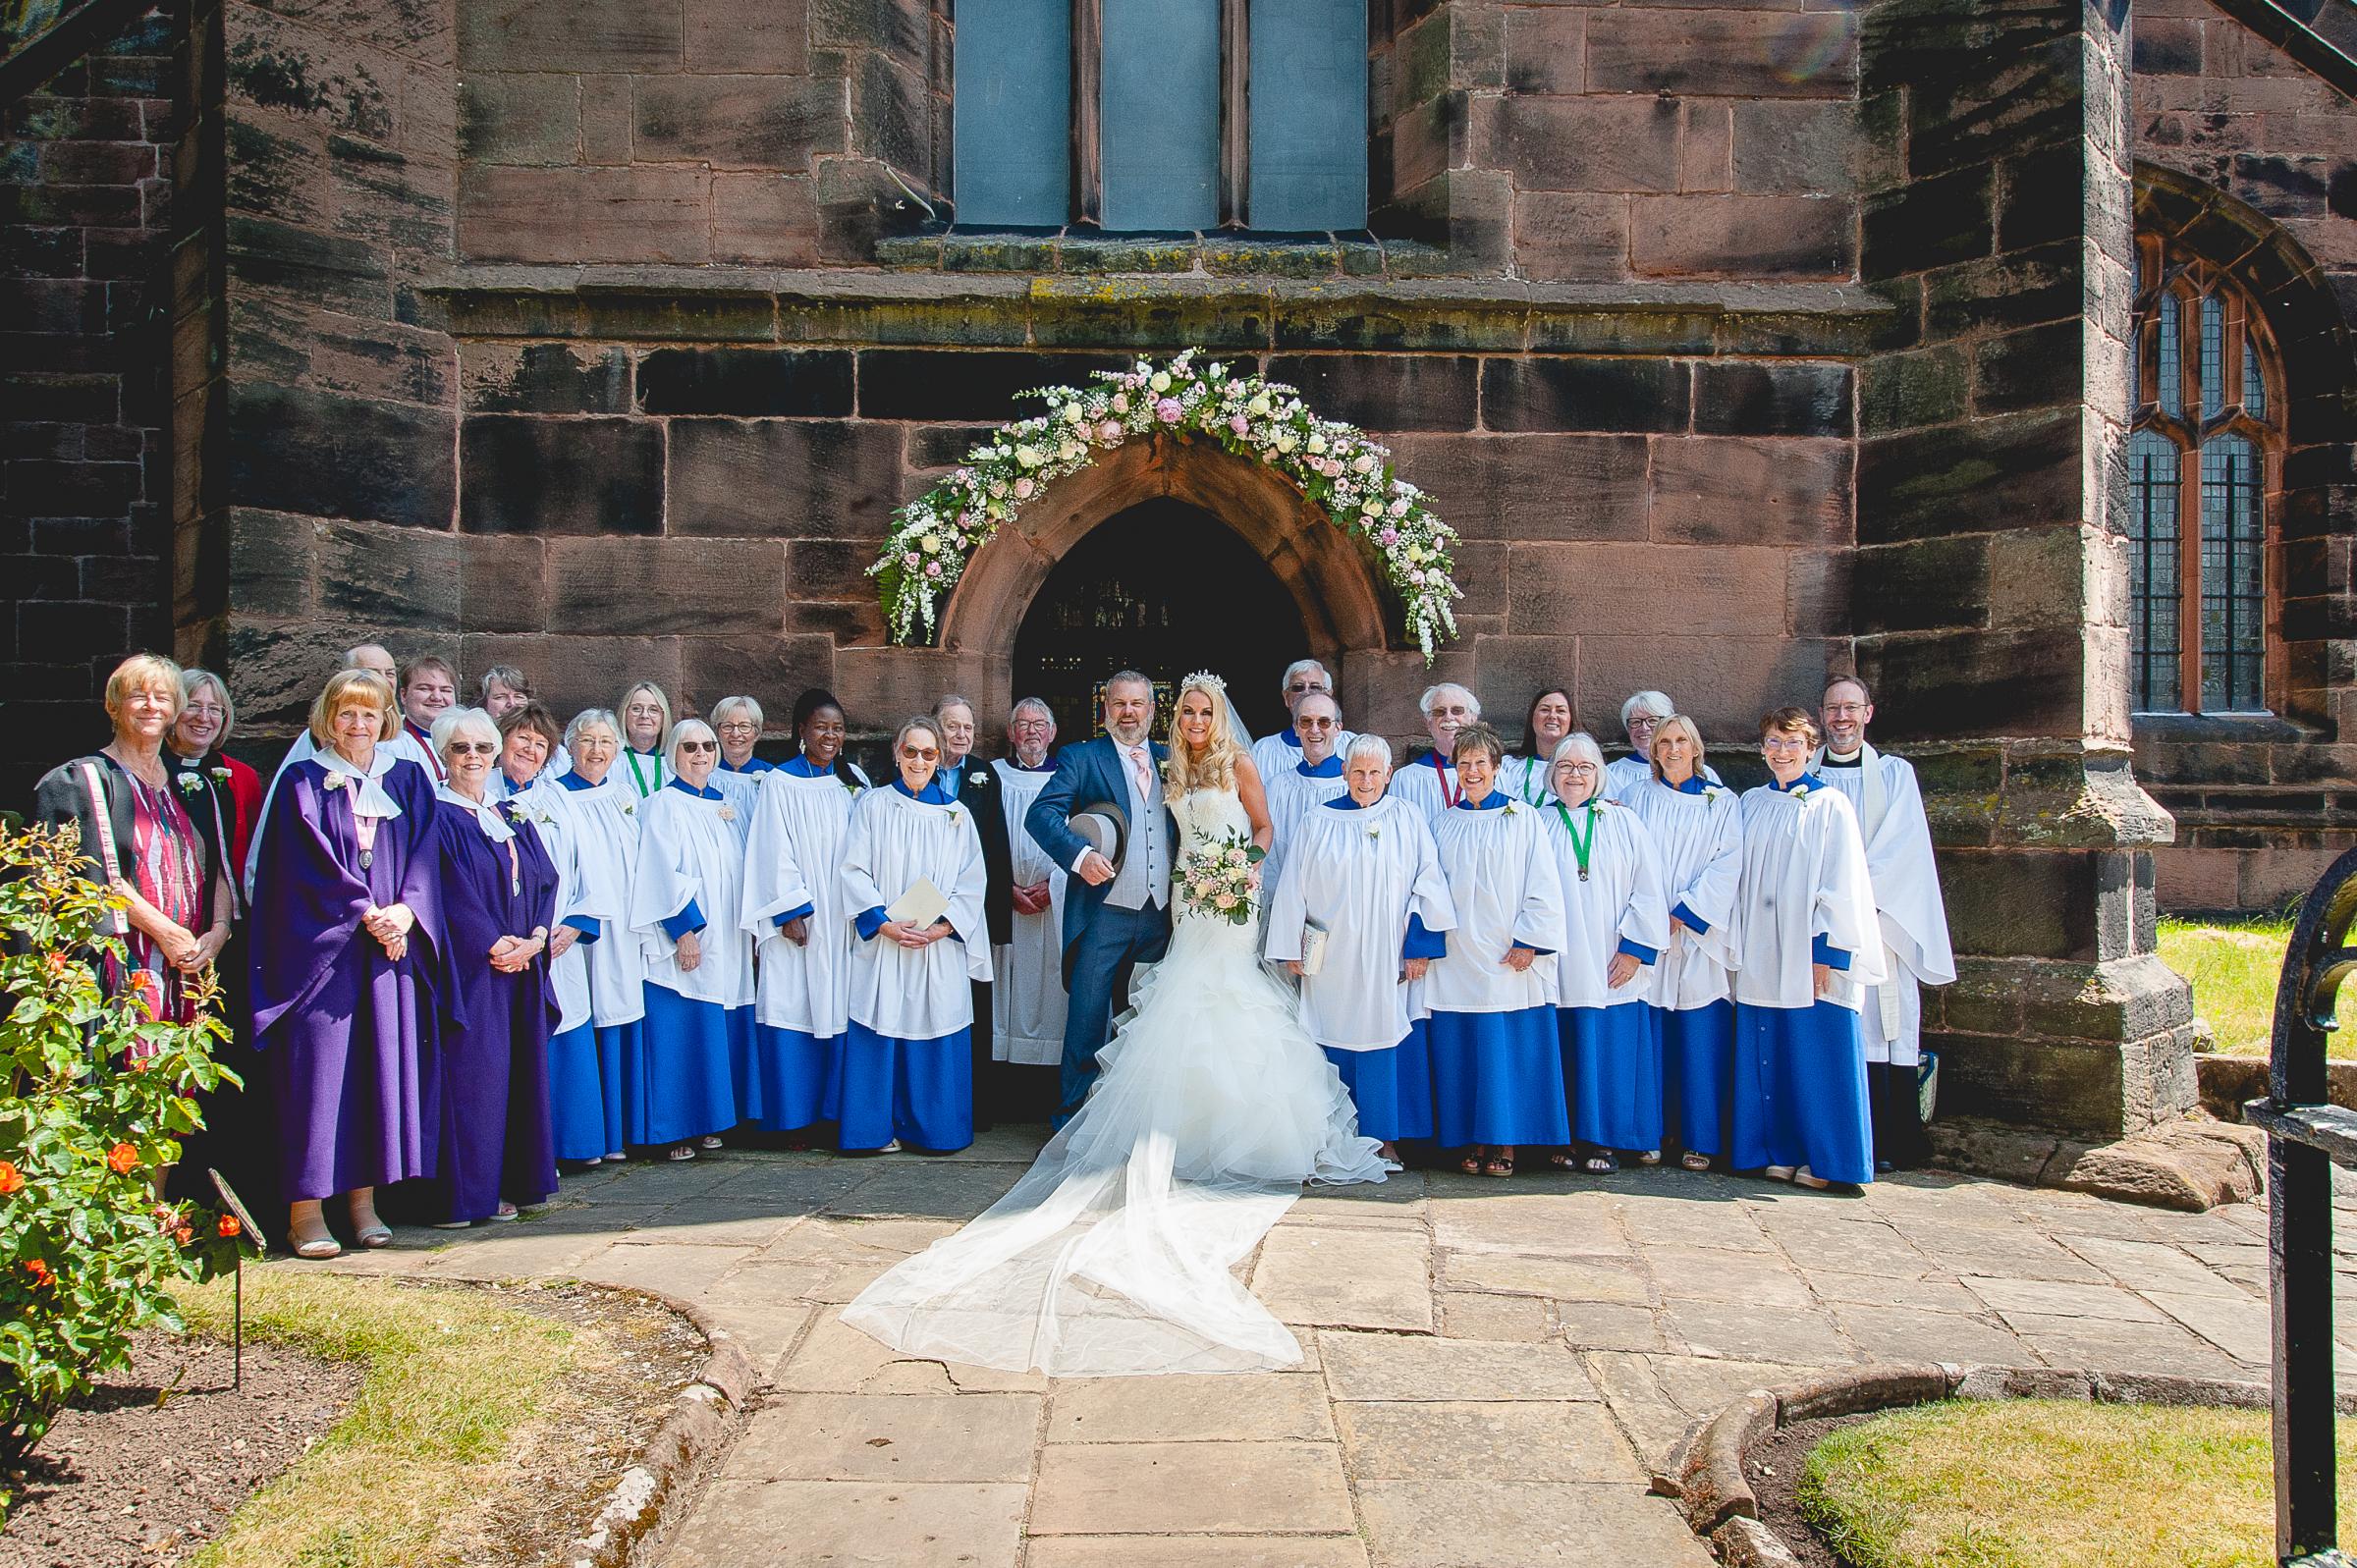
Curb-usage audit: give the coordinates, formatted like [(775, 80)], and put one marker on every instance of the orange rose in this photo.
[(59, 965), (39, 1271), (11, 1179), (122, 1160), (184, 1235), (230, 1225)]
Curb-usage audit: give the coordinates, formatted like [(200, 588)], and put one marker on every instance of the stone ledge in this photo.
[(2192, 1164)]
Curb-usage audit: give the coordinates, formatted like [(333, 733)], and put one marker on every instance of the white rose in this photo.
[(1073, 413), (1286, 441), (930, 544), (1258, 406), (1317, 443), (1028, 456), (1363, 464), (1160, 381)]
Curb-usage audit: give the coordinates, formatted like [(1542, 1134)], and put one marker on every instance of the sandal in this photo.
[(1650, 1157), (1694, 1161), (1562, 1160), (710, 1140), (1603, 1163), (506, 1212), (1499, 1166), (1778, 1172), (682, 1151), (1471, 1165)]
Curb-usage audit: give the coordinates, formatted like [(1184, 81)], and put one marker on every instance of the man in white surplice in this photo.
[(1275, 754), (1028, 1000), (1314, 778), (1906, 894)]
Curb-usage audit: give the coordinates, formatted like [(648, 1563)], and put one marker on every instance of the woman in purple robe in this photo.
[(347, 904), (497, 1003)]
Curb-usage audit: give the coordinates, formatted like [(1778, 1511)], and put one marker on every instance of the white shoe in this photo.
[(1777, 1172)]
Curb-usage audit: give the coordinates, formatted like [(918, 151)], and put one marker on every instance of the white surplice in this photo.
[(1804, 878), (598, 829), (692, 851), (1619, 901), (1622, 775), (1359, 875), (1281, 752), (1503, 882), (541, 802), (1889, 802), (1430, 790), (893, 841), (1700, 841), (790, 855), (1027, 997), (1293, 795)]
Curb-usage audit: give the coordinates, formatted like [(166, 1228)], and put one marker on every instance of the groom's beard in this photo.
[(1128, 734)]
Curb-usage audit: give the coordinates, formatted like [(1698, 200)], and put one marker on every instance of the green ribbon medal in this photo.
[(1579, 846)]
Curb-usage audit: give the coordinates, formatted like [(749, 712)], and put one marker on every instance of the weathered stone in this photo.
[(544, 36), (320, 455), (1584, 393), (520, 118), (535, 475), (972, 1437), (1477, 1440), (1187, 1488), (1729, 53), (1742, 235), (746, 382), (1208, 1409), (545, 378), (1443, 1524), (644, 214), (1338, 1277), (1412, 393), (1727, 491), (736, 122), (617, 583), (1591, 143), (771, 1524), (1394, 1366)]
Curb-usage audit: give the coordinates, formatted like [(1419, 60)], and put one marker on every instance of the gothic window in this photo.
[(2201, 465), (1144, 115)]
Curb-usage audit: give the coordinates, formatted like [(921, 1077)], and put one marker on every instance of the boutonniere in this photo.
[(1801, 793), (1374, 832), (220, 775), (630, 808), (1712, 791), (1510, 808), (977, 777), (728, 813), (336, 781), (191, 785), (955, 814)]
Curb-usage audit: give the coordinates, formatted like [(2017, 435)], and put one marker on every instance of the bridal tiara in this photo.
[(1204, 677)]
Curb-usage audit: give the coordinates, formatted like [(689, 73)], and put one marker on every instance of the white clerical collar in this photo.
[(1846, 758), (371, 799), (486, 816)]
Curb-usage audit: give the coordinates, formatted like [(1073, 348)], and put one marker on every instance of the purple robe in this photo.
[(496, 1140), (349, 1032)]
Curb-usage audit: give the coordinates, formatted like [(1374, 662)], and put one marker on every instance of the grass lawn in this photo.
[(2051, 1484), (2233, 966), (414, 1474)]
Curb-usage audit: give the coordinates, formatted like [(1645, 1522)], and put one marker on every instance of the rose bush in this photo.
[(94, 1097)]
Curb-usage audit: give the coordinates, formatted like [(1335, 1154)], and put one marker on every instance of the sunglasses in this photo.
[(471, 748), (699, 745)]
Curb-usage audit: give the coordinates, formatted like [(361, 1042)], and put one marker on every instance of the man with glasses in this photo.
[(1430, 781), (1027, 1023), (1311, 781), (1640, 716), (1914, 920), (1274, 755), (972, 783)]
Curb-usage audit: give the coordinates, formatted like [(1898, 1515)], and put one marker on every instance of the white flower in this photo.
[(1029, 457), (931, 544), (1160, 381), (1286, 441), (335, 780), (220, 775), (191, 784), (1317, 443), (1073, 413), (1259, 405), (728, 813), (1362, 463)]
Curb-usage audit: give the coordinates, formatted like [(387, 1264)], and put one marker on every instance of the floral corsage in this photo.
[(192, 784), (336, 781)]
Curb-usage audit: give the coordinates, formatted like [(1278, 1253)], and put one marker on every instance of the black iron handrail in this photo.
[(2306, 1136)]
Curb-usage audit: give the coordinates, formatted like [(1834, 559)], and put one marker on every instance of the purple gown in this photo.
[(347, 1031), (496, 1139)]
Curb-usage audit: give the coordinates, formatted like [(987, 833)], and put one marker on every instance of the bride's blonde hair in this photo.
[(1215, 769)]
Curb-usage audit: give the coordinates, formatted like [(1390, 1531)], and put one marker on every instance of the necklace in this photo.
[(1579, 846)]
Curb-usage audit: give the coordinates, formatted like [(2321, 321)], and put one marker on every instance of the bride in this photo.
[(1113, 1254)]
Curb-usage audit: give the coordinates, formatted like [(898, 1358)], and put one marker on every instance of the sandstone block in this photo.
[(1742, 237), (1567, 236), (736, 122), (320, 454), (1190, 1488), (1585, 392), (551, 216), (1415, 392), (1587, 144), (553, 35), (1727, 53), (629, 586), (1729, 491), (577, 476), (746, 382)]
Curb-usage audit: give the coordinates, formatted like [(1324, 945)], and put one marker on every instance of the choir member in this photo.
[(794, 908), (1430, 781), (495, 1003), (155, 837), (645, 720), (1497, 1067), (503, 689), (1617, 922), (1697, 827), (738, 722), (1529, 774), (680, 1089), (429, 688), (347, 889), (528, 742), (599, 961), (1315, 777), (1809, 945), (193, 746), (907, 1067), (1028, 1000), (1365, 874), (1889, 802), (377, 661), (1640, 716), (1278, 753)]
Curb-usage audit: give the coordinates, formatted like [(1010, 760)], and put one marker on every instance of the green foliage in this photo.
[(94, 1097)]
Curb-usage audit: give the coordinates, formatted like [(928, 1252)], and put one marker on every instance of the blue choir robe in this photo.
[(1281, 752), (907, 1068), (349, 1032), (802, 1009), (1800, 1097), (497, 881), (1497, 1066), (1370, 879), (1612, 1040), (1291, 795), (1698, 830), (698, 1021), (593, 837)]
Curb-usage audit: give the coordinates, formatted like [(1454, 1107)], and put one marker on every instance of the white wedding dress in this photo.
[(1113, 1254)]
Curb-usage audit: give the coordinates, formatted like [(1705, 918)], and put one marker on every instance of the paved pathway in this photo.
[(1488, 1365)]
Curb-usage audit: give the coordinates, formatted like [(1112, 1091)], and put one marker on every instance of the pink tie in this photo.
[(1146, 775)]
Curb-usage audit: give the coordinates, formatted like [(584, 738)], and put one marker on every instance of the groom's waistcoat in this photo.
[(1145, 874)]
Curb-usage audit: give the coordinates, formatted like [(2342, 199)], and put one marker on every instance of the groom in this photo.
[(1113, 918)]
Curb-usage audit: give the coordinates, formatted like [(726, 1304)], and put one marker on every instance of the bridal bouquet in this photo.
[(1216, 880)]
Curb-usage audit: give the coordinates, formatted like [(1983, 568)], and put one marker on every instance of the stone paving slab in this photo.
[(1197, 1551), (1523, 1524), (853, 1524), (1476, 1439), (1364, 1279), (1191, 1409), (977, 1437), (1150, 1488), (1391, 1367)]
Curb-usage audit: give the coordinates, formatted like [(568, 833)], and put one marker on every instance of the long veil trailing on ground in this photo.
[(1113, 1254)]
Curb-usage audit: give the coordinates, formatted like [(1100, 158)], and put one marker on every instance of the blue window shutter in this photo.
[(1015, 111), (1308, 116), (1159, 125)]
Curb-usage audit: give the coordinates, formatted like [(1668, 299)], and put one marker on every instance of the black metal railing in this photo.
[(2306, 1136)]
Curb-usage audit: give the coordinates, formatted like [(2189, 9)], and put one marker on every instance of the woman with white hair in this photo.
[(1358, 915), (908, 1065), (1697, 824), (1497, 1067), (495, 1004), (1640, 716), (645, 712), (738, 722), (1616, 923), (680, 1089), (598, 962), (1429, 783)]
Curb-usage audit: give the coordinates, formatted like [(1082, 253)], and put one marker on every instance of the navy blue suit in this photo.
[(1101, 943)]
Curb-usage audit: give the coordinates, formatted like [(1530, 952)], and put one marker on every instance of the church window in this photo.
[(2202, 461)]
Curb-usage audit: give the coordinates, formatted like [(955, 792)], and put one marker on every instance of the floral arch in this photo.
[(1335, 466)]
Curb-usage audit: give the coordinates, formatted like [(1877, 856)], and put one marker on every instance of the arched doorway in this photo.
[(1167, 588)]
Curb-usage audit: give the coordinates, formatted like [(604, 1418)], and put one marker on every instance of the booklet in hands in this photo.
[(918, 907)]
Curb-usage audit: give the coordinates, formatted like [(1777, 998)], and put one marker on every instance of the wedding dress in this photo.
[(1113, 1254)]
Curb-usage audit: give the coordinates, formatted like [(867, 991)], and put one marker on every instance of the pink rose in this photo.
[(1399, 506), (1167, 410), (1388, 538), (1239, 423), (912, 561), (1024, 489), (1120, 402), (932, 569), (1109, 432)]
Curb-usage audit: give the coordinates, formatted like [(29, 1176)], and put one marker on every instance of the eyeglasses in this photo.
[(920, 753), (1784, 743), (746, 729), (699, 745), (1303, 689), (1313, 723), (471, 748), (1450, 713), (1575, 769)]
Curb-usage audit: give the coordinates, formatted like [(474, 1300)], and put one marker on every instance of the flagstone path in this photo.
[(1487, 1366)]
